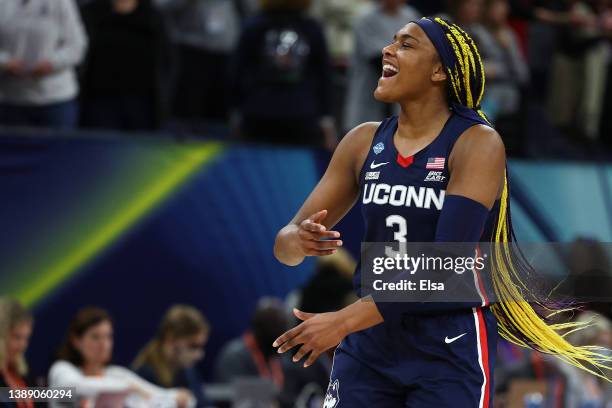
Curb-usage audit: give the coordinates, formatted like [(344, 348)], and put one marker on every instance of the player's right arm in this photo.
[(309, 232)]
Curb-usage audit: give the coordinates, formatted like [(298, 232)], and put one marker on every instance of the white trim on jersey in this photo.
[(477, 282)]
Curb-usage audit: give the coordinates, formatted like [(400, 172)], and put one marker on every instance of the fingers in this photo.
[(319, 216), (306, 350), (301, 353), (302, 315), (297, 337), (320, 252), (315, 236), (318, 243), (288, 345), (321, 245), (312, 226), (313, 223), (311, 358), (288, 335)]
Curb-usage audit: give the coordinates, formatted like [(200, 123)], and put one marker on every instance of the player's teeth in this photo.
[(388, 67)]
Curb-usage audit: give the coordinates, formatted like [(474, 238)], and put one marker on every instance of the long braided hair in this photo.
[(522, 322)]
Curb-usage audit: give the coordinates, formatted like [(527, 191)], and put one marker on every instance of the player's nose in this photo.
[(389, 50)]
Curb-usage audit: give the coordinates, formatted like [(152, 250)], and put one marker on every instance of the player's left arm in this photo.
[(477, 165)]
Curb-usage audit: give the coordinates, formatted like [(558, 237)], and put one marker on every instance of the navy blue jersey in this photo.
[(421, 360), (401, 197)]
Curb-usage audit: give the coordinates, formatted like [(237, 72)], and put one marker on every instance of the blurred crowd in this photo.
[(296, 71), (248, 372)]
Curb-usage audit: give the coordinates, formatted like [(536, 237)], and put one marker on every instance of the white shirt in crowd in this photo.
[(41, 30), (117, 384), (212, 25)]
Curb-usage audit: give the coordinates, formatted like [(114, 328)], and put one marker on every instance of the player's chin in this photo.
[(384, 94)]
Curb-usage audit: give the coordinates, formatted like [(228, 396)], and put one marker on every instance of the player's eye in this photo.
[(406, 45)]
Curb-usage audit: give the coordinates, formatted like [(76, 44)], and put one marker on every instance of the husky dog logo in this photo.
[(332, 398), (380, 146)]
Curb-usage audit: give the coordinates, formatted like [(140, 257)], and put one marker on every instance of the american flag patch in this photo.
[(435, 163)]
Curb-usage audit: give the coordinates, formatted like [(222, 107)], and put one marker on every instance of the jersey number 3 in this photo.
[(400, 227)]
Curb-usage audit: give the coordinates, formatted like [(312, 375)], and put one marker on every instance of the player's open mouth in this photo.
[(389, 71)]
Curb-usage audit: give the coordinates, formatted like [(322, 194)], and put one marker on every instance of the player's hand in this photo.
[(317, 333), (313, 237)]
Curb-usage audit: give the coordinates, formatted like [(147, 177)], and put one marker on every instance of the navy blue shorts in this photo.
[(435, 361)]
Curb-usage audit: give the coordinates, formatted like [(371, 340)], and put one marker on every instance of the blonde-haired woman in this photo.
[(15, 330), (169, 358)]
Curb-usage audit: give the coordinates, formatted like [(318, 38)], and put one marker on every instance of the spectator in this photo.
[(331, 287), (281, 81), (122, 78), (84, 365), (15, 330), (590, 275), (467, 13), (252, 354), (373, 31), (41, 42), (430, 7), (584, 389), (505, 66), (337, 17), (169, 359), (605, 131), (205, 32), (579, 64), (248, 7)]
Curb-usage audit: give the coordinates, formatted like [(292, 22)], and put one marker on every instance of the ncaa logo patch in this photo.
[(380, 146), (332, 398)]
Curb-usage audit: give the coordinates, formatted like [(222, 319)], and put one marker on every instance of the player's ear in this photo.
[(438, 73)]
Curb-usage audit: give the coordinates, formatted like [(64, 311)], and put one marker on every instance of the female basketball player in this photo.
[(394, 354)]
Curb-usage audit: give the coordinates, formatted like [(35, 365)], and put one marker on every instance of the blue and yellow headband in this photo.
[(461, 60)]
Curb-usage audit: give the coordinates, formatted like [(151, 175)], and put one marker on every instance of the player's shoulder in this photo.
[(481, 139), (477, 142), (358, 139), (364, 131), (353, 148)]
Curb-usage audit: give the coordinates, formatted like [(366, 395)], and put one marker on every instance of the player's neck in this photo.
[(421, 118)]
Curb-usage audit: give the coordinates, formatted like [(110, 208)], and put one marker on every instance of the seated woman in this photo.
[(15, 330), (169, 358), (84, 364)]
